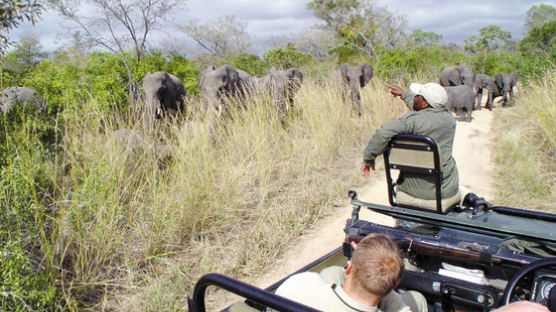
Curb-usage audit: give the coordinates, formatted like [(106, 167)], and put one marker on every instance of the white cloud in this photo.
[(455, 20)]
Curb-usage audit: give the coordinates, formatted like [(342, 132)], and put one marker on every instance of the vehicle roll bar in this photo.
[(197, 302)]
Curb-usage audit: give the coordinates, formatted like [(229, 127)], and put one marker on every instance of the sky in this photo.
[(455, 20)]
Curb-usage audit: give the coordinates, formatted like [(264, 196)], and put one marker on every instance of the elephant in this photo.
[(461, 100), (483, 82), (134, 145), (457, 75), (354, 78), (506, 84), (219, 85), (14, 95), (282, 87), (163, 93)]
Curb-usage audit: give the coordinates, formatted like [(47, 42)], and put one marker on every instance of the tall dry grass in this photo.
[(131, 234), (526, 148)]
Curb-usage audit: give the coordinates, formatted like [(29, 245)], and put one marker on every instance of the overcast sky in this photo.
[(455, 20)]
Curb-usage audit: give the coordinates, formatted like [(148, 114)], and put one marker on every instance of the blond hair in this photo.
[(378, 264)]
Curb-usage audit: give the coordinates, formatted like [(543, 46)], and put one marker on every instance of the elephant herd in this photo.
[(226, 85), (465, 89), (163, 93), (220, 87)]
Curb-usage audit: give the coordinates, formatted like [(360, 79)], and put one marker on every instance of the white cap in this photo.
[(433, 93)]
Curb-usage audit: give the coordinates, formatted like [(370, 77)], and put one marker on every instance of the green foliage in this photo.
[(27, 283), (537, 15), (491, 38), (106, 80), (250, 63), (26, 55), (289, 57), (58, 83), (345, 54), (12, 13), (541, 42), (425, 38), (401, 63)]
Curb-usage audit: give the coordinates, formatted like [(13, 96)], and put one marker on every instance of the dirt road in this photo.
[(473, 157)]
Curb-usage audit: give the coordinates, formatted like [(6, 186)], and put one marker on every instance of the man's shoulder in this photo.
[(301, 281)]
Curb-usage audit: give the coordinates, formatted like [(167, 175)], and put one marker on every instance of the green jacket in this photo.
[(437, 123)]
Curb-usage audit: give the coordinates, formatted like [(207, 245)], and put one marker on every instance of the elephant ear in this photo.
[(294, 73), (367, 74), (499, 81)]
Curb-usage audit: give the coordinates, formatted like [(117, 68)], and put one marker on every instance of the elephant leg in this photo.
[(512, 96), (468, 114), (478, 101)]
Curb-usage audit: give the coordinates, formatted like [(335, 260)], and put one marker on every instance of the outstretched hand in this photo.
[(366, 170), (395, 90)]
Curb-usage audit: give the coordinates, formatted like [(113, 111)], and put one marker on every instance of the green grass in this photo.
[(525, 151)]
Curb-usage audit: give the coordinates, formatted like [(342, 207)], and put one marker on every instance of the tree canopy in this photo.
[(12, 13)]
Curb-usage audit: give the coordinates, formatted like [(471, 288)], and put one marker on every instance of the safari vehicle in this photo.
[(463, 256)]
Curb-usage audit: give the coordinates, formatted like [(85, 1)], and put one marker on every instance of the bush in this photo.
[(289, 57)]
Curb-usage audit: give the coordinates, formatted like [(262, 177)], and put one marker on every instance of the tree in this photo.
[(27, 53), (541, 41), (117, 25), (225, 39), (12, 13), (425, 38), (359, 27), (492, 39), (537, 15)]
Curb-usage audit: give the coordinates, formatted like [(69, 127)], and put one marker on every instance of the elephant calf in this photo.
[(461, 100), (484, 82), (134, 145), (20, 95), (354, 78), (163, 93)]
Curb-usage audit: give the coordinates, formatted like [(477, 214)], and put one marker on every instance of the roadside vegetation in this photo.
[(526, 148), (88, 225)]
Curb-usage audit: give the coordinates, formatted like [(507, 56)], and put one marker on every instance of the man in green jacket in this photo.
[(428, 116)]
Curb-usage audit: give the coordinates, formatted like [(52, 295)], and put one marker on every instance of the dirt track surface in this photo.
[(472, 153)]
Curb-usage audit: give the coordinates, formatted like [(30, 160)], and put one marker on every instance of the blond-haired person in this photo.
[(372, 274)]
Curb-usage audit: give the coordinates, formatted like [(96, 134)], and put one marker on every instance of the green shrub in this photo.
[(289, 57)]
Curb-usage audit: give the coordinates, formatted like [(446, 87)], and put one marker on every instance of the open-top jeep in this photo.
[(463, 255)]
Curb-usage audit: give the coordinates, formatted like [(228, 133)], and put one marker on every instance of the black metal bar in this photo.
[(197, 303), (437, 172), (455, 222), (525, 213)]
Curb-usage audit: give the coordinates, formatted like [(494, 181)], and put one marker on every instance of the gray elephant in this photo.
[(484, 82), (163, 94), (20, 95), (282, 87), (218, 85), (134, 146), (354, 78), (506, 84), (457, 75), (461, 100)]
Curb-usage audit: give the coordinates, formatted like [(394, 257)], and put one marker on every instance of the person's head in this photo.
[(428, 95), (377, 264)]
